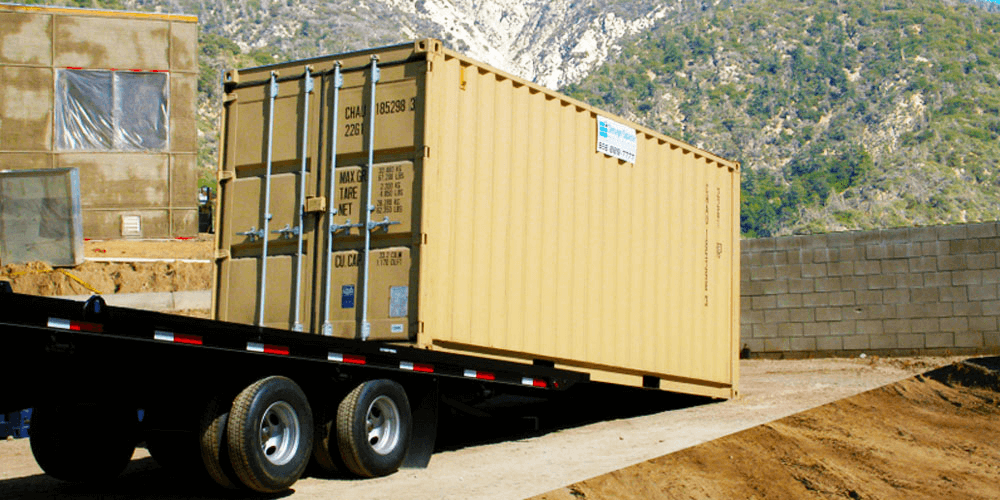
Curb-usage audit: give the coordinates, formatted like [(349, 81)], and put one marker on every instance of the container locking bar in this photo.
[(287, 232), (307, 88), (382, 223), (338, 83), (262, 292), (339, 227), (253, 233), (365, 325)]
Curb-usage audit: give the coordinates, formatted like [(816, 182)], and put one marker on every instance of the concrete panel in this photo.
[(910, 341), (183, 47), (23, 161), (832, 343), (946, 339), (984, 230), (25, 39), (25, 109), (106, 224), (790, 330), (982, 261), (183, 94), (815, 329), (185, 222), (92, 42), (883, 342), (803, 344), (113, 180), (183, 181), (952, 232), (856, 342)]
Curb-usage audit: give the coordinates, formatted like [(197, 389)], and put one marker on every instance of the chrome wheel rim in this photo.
[(279, 433), (382, 423)]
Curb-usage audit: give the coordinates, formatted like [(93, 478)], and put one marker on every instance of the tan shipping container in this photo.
[(506, 233)]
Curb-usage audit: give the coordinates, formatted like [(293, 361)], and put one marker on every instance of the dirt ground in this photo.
[(107, 278), (917, 437), (926, 437)]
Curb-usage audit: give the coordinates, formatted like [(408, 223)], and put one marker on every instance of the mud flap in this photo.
[(424, 408)]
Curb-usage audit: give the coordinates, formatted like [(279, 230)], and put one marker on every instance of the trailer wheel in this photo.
[(270, 434), (175, 451), (84, 444), (212, 440), (374, 428), (326, 454)]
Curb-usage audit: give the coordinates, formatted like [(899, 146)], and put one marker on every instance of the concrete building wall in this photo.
[(159, 186), (897, 291)]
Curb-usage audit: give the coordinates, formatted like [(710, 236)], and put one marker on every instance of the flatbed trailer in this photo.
[(93, 366), (398, 229)]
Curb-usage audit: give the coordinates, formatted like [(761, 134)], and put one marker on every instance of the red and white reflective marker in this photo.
[(415, 367), (346, 358), (479, 375), (74, 326), (534, 382), (267, 348), (177, 338)]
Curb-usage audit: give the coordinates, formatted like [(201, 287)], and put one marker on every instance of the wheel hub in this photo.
[(382, 423), (279, 433)]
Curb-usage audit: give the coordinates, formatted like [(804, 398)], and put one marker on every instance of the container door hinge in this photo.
[(226, 175), (427, 151), (222, 254), (420, 327), (230, 98)]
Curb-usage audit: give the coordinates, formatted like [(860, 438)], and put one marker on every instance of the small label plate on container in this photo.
[(399, 298)]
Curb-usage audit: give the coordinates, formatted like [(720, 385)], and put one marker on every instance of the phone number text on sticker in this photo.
[(615, 139)]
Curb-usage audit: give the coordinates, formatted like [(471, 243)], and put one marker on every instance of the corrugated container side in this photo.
[(541, 248), (524, 241)]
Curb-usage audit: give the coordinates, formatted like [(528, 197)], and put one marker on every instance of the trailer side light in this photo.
[(177, 338), (480, 375), (346, 358), (267, 348), (75, 326), (534, 382), (416, 367)]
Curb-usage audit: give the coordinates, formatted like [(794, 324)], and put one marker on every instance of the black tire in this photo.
[(83, 444), (326, 451), (176, 451), (212, 444), (374, 425), (270, 434)]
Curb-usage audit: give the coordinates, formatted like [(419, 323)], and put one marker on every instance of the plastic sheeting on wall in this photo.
[(40, 217), (100, 110)]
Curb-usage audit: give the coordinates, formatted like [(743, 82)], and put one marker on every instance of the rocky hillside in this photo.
[(553, 42), (846, 114)]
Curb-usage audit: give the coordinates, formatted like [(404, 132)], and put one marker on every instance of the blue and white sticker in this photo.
[(615, 139), (347, 297)]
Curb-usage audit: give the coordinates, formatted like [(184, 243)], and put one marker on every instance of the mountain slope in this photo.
[(846, 114)]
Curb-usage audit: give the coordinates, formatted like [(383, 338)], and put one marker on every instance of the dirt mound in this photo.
[(931, 436), (38, 278)]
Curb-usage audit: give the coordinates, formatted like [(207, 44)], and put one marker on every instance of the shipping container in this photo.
[(411, 195)]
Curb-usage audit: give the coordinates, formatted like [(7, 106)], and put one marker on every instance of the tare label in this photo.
[(615, 139)]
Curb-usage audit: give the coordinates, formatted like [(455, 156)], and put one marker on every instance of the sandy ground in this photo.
[(534, 463), (924, 437), (37, 278)]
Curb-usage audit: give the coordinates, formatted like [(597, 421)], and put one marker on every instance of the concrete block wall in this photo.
[(924, 290)]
